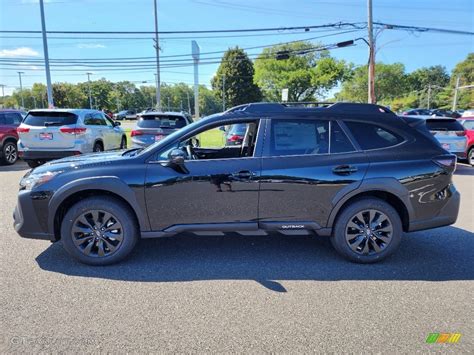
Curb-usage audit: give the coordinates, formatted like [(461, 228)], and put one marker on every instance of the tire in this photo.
[(123, 143), (82, 241), (33, 163), (98, 147), (374, 243), (9, 153), (470, 156)]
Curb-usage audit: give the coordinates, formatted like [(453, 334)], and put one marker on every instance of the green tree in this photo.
[(307, 74), (234, 77), (68, 95), (390, 83), (465, 71)]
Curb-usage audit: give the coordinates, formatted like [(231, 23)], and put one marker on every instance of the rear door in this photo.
[(307, 164), (48, 130)]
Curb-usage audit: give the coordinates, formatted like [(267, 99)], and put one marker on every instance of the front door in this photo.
[(219, 185)]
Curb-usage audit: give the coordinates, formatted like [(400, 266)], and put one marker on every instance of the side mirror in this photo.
[(222, 128), (117, 123), (176, 157)]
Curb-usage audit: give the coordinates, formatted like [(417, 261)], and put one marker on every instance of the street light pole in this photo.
[(371, 70), (456, 89), (46, 58), (223, 92), (21, 90), (89, 84), (3, 90), (157, 48)]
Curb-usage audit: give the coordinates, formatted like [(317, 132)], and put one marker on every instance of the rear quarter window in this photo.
[(371, 136), (42, 119)]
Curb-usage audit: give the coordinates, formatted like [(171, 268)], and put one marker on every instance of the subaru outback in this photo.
[(356, 173)]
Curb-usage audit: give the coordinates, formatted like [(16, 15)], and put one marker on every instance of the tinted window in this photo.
[(100, 119), (10, 118), (371, 136), (50, 118), (238, 129), (298, 137), (339, 141), (444, 125), (161, 121)]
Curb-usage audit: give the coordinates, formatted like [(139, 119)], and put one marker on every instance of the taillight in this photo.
[(22, 130), (446, 161), (70, 130), (235, 138), (460, 133), (136, 133)]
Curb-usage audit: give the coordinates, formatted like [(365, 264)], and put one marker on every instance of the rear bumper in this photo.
[(46, 154), (25, 220), (446, 216)]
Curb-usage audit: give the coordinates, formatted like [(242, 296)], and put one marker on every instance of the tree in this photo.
[(234, 77), (465, 71), (307, 74), (68, 95), (390, 83)]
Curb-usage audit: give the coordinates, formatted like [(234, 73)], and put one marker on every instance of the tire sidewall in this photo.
[(338, 238), (5, 161), (97, 148), (108, 204)]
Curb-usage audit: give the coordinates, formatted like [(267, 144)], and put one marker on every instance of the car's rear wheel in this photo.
[(99, 231), (368, 230), (9, 153), (98, 147), (123, 143), (470, 156)]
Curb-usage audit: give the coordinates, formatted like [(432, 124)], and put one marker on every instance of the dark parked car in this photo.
[(9, 121), (126, 115), (235, 134), (355, 173), (417, 112), (445, 113)]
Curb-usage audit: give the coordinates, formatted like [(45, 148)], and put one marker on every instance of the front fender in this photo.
[(111, 184)]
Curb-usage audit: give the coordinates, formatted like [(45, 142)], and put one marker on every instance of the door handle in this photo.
[(344, 170), (244, 174)]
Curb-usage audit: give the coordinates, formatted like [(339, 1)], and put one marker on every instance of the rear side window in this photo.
[(10, 118), (42, 119), (443, 125), (370, 136), (161, 121), (339, 141), (299, 137)]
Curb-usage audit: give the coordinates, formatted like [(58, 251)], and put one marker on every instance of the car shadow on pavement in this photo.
[(438, 255), (464, 169), (18, 166)]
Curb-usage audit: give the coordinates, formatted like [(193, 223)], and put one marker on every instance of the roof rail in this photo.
[(345, 107)]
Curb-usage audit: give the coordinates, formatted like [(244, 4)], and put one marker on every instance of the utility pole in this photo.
[(46, 58), (89, 84), (371, 69), (189, 103), (223, 93), (456, 89), (429, 96), (21, 90), (3, 90), (34, 100), (157, 48), (195, 54)]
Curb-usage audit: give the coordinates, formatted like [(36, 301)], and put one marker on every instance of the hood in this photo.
[(76, 161)]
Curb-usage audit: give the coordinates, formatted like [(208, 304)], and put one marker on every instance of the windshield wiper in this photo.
[(48, 124)]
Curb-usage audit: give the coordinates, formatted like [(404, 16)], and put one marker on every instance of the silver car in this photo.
[(154, 126), (450, 134), (51, 134)]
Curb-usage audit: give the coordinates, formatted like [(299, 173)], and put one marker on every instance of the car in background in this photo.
[(445, 113), (468, 113), (144, 111), (9, 121), (417, 112), (468, 124), (152, 127), (450, 134), (126, 115), (57, 133), (235, 134)]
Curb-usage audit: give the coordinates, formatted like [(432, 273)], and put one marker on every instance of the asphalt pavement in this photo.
[(238, 294)]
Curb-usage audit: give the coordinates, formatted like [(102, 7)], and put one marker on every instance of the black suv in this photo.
[(356, 173)]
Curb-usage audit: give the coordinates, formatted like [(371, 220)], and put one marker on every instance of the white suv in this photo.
[(51, 134)]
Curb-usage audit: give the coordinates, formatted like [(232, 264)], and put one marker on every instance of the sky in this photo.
[(414, 50)]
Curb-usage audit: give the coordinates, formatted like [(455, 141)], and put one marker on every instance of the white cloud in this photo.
[(18, 52), (90, 45)]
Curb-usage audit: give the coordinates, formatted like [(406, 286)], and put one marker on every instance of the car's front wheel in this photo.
[(9, 153), (99, 231), (367, 230), (470, 156), (123, 143)]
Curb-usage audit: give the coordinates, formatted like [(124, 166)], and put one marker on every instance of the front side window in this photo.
[(299, 137), (370, 136)]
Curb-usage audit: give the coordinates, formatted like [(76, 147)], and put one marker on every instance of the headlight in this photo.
[(31, 181)]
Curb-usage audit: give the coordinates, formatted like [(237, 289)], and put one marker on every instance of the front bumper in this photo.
[(446, 216), (25, 219), (46, 154)]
